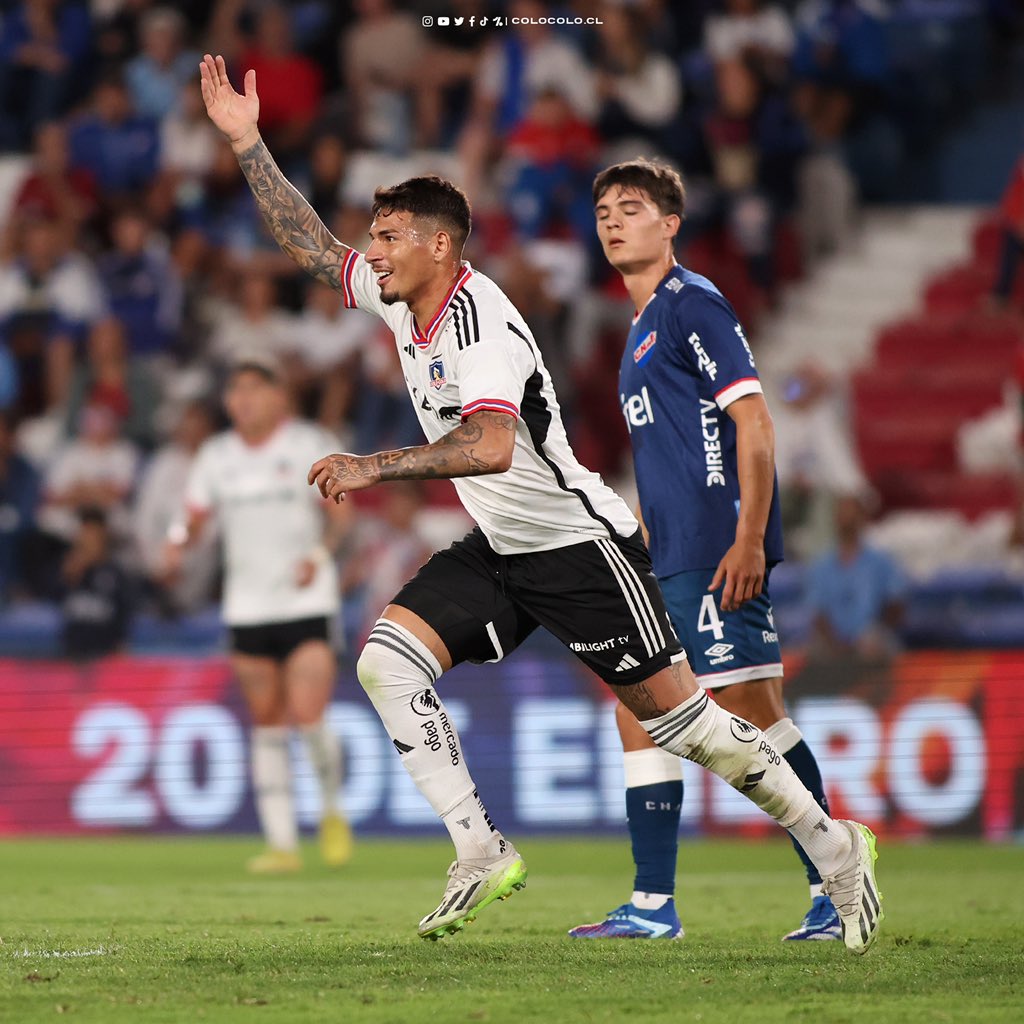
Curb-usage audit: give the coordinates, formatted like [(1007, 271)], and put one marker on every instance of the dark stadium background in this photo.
[(855, 190)]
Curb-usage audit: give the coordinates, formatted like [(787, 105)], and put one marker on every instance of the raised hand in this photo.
[(234, 114)]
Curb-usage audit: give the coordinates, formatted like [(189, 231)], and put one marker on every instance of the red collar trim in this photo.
[(423, 340)]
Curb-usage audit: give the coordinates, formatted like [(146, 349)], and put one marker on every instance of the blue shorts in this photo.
[(723, 647)]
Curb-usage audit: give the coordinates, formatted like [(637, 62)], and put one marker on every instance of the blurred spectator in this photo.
[(110, 377), (44, 45), (814, 457), (52, 189), (157, 506), (759, 34), (188, 152), (639, 89), (855, 593), (188, 141), (328, 162), (232, 222), (96, 469), (290, 84), (840, 61), (517, 66), (446, 74), (142, 287), (388, 549), (49, 296), (550, 160), (19, 497), (324, 355), (255, 324), (192, 256), (530, 59), (1012, 215), (118, 146), (382, 55), (155, 77), (755, 142), (95, 600)]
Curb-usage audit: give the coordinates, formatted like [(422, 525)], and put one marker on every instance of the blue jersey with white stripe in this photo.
[(686, 360)]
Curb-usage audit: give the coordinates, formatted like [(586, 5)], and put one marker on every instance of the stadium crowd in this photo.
[(135, 266)]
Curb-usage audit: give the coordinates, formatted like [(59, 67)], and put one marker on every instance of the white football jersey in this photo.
[(478, 353), (270, 520)]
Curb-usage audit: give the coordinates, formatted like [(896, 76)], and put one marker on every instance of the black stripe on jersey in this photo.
[(536, 415), (463, 325), (515, 330), (458, 330), (472, 309)]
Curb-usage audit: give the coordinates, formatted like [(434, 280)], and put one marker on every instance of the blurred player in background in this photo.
[(280, 596), (554, 547), (704, 454)]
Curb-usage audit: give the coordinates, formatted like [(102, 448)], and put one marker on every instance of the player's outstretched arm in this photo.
[(292, 221), (742, 569), (478, 447)]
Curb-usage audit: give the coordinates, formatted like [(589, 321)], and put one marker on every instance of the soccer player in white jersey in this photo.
[(281, 597), (554, 546)]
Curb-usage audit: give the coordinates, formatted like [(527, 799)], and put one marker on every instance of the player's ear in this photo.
[(442, 246), (672, 223)]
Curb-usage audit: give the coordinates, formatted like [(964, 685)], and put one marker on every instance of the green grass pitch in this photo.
[(162, 930)]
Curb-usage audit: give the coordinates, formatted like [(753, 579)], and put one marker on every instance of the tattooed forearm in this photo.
[(293, 222), (474, 448)]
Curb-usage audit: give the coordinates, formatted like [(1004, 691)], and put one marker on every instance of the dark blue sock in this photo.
[(653, 815), (801, 760)]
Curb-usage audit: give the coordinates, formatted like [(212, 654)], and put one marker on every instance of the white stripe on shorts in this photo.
[(636, 597)]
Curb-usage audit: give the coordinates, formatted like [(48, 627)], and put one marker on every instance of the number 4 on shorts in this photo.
[(709, 619)]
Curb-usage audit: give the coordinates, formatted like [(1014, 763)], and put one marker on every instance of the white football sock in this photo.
[(649, 900), (398, 673), (323, 748), (272, 784), (741, 754), (783, 735), (650, 766)]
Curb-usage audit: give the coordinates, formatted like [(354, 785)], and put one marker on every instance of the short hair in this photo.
[(660, 181), (92, 515), (431, 197)]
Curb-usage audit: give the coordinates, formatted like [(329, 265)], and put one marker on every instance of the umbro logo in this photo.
[(717, 650), (628, 662)]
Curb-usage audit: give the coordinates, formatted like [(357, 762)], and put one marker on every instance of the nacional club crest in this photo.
[(643, 349), (437, 377)]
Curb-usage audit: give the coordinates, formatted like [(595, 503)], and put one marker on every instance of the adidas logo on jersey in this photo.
[(627, 663)]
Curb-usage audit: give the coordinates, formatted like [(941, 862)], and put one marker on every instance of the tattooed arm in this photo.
[(293, 222), (480, 446)]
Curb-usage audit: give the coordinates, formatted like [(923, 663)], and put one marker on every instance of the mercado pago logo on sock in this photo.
[(742, 730), (425, 703)]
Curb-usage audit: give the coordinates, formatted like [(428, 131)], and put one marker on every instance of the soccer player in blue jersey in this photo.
[(703, 447)]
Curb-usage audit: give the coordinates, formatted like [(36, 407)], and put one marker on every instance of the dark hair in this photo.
[(433, 198), (92, 515), (660, 181)]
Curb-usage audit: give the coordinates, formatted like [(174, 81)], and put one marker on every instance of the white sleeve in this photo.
[(359, 285), (491, 370)]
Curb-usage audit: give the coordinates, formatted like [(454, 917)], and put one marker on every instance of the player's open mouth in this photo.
[(382, 278), (612, 242)]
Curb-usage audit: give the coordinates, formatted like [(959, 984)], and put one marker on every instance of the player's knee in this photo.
[(372, 667)]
